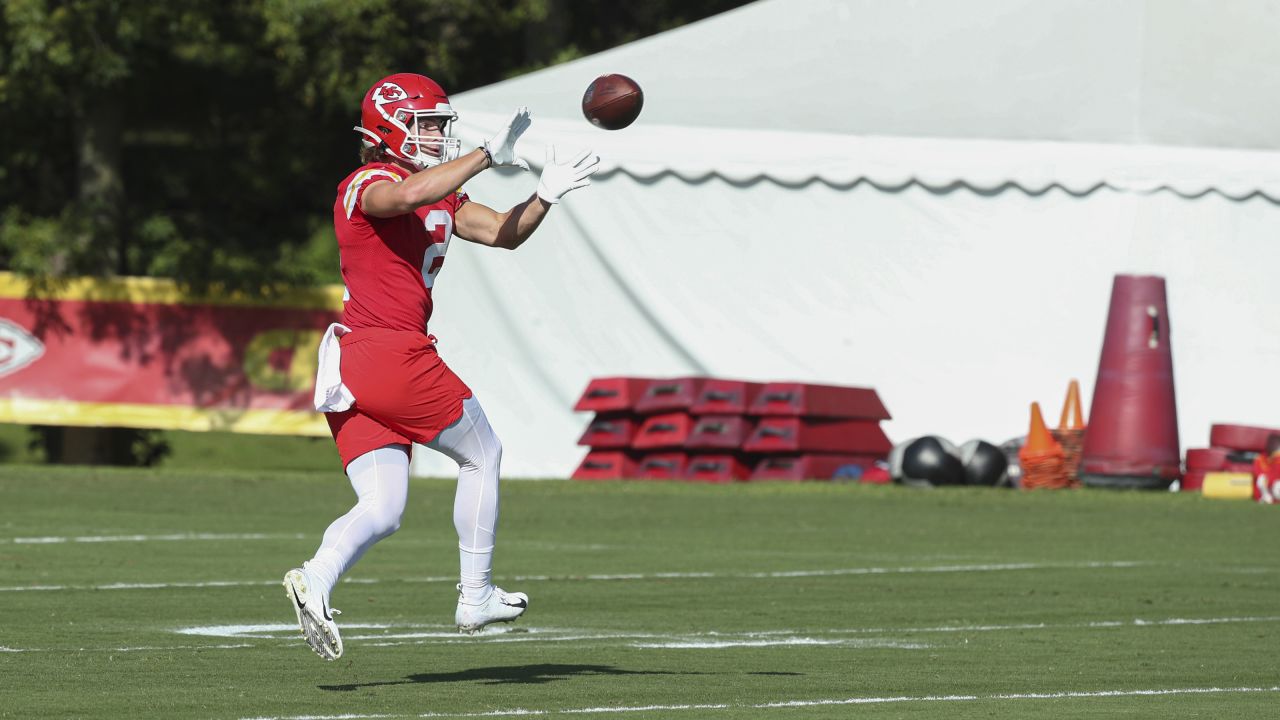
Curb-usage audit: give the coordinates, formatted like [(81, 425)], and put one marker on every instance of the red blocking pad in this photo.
[(725, 397), (1240, 437), (1193, 480), (668, 430), (611, 394), (811, 466), (828, 401), (1133, 420), (662, 466), (726, 432), (799, 435), (667, 395), (606, 465), (1206, 459), (716, 468)]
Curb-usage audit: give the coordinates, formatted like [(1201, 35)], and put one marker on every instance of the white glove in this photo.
[(559, 178), (502, 147)]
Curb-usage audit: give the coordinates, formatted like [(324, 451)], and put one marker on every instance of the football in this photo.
[(612, 102)]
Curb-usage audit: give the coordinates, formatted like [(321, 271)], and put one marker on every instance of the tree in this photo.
[(202, 140)]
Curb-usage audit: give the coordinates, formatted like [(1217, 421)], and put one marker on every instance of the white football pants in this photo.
[(380, 479)]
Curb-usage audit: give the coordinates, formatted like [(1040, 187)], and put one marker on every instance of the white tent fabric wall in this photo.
[(1164, 72), (961, 278)]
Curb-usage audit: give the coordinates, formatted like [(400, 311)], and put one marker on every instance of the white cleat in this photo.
[(315, 617), (500, 606)]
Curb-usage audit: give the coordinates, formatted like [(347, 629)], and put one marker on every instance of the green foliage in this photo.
[(203, 140)]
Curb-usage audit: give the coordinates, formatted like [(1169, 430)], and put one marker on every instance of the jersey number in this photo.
[(433, 259)]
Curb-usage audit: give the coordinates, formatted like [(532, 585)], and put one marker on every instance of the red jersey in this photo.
[(390, 264), (1266, 478)]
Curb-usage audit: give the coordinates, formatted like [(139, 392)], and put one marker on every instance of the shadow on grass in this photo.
[(515, 674)]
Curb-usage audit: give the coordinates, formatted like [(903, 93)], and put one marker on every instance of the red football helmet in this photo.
[(402, 112)]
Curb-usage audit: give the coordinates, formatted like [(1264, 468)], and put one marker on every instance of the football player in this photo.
[(1266, 472), (382, 384)]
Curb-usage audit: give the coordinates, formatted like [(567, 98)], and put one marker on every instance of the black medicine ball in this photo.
[(984, 463), (926, 462)]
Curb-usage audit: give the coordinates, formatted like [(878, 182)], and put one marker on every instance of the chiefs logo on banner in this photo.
[(17, 348), (140, 352)]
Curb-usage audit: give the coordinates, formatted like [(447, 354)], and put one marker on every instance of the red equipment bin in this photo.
[(810, 466), (723, 468), (606, 465), (724, 432), (668, 430), (610, 432), (828, 401), (662, 466), (799, 435), (667, 395), (725, 397), (611, 394)]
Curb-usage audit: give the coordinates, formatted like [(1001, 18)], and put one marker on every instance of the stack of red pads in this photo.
[(1234, 448), (712, 430)]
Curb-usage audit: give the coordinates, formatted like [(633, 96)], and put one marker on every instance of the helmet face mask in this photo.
[(427, 136), (410, 116)]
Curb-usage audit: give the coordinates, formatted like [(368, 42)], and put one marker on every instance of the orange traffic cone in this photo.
[(1070, 432), (1072, 415), (1041, 456)]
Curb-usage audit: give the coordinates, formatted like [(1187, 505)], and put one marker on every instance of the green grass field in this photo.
[(155, 594)]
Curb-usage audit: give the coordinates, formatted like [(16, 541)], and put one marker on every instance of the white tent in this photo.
[(930, 198)]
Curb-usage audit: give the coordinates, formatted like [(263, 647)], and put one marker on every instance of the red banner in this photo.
[(138, 352)]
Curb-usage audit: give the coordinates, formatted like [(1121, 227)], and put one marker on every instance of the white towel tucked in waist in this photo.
[(331, 394)]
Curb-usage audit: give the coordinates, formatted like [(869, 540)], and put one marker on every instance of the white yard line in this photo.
[(443, 634), (777, 642), (271, 630), (141, 648), (167, 585), (502, 639), (174, 537), (567, 547), (527, 712), (1136, 622), (1008, 567), (717, 640), (782, 574), (839, 572), (161, 586), (439, 634), (199, 537), (141, 586)]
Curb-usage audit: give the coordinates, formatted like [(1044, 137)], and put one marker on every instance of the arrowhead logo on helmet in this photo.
[(408, 117), (390, 92)]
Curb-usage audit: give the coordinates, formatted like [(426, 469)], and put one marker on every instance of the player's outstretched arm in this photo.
[(480, 224), (430, 186), (426, 187)]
